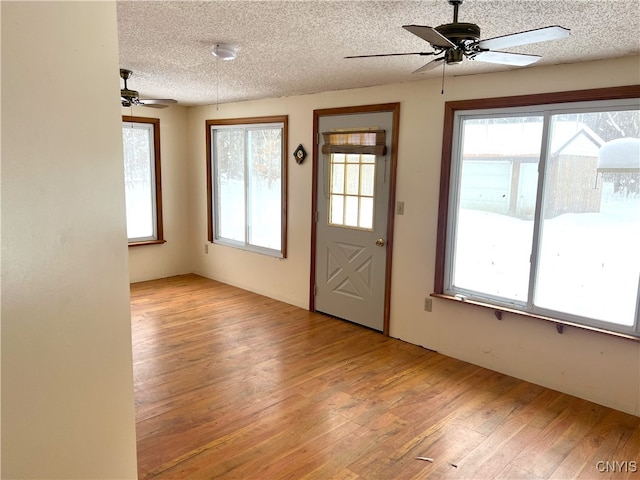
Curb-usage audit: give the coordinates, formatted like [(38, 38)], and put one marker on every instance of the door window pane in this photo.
[(337, 210), (367, 181), (353, 179), (352, 189), (366, 213), (337, 179), (351, 211)]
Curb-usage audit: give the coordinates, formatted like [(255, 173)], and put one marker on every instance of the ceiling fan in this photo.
[(130, 98), (458, 40)]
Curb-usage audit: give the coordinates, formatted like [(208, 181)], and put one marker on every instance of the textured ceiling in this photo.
[(297, 47)]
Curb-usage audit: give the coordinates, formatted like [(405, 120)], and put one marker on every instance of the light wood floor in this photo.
[(233, 385)]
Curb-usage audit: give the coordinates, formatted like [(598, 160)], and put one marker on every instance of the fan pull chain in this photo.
[(217, 81), (444, 64)]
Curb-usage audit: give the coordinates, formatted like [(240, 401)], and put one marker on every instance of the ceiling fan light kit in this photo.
[(224, 51), (456, 41)]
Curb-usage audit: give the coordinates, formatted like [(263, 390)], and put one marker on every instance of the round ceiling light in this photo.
[(224, 51)]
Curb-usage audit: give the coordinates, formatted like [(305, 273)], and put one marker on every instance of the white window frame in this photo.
[(152, 125), (450, 197), (213, 214)]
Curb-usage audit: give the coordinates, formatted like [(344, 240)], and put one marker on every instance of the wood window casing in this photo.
[(209, 124), (155, 122)]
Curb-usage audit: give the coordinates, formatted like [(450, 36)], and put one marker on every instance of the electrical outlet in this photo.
[(399, 208), (427, 304), (206, 248)]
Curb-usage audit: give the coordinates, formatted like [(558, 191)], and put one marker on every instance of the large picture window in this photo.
[(141, 149), (542, 210), (246, 165)]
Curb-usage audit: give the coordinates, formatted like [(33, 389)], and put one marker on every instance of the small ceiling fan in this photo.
[(458, 40), (130, 98)]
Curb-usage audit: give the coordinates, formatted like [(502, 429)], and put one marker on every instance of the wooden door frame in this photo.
[(394, 108)]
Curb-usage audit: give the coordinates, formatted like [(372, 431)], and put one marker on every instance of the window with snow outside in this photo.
[(544, 211), (143, 192), (248, 184)]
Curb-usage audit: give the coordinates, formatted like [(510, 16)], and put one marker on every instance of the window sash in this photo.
[(455, 205), (252, 234), (445, 283)]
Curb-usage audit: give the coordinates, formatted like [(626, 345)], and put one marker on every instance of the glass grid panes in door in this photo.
[(352, 190)]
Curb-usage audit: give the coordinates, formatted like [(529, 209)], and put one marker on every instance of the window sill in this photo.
[(147, 242), (251, 248), (560, 324)]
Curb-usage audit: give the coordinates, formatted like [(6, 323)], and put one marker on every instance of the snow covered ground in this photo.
[(589, 263)]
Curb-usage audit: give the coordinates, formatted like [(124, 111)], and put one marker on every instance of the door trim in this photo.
[(378, 108)]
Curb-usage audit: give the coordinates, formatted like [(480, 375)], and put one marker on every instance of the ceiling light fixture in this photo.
[(224, 51)]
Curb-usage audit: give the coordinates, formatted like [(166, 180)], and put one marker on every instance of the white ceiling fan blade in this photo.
[(545, 34), (430, 35), (429, 66), (153, 105), (507, 58), (158, 101), (391, 55)]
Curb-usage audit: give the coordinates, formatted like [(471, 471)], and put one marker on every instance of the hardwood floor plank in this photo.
[(547, 451), (491, 456), (629, 453), (607, 438), (512, 471), (258, 450), (233, 385)]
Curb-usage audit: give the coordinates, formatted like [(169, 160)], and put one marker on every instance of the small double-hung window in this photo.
[(246, 169), (543, 211), (141, 149)]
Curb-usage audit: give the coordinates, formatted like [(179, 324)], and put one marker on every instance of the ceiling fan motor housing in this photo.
[(453, 56), (129, 94), (459, 33), (127, 97)]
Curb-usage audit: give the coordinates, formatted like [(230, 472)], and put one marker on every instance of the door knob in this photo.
[(380, 242)]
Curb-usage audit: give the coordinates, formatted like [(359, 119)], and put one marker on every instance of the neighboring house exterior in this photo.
[(506, 158), (619, 164)]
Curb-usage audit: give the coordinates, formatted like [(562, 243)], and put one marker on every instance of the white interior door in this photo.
[(352, 214)]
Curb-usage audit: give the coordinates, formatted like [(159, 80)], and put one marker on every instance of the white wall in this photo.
[(67, 384), (147, 262), (590, 365)]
